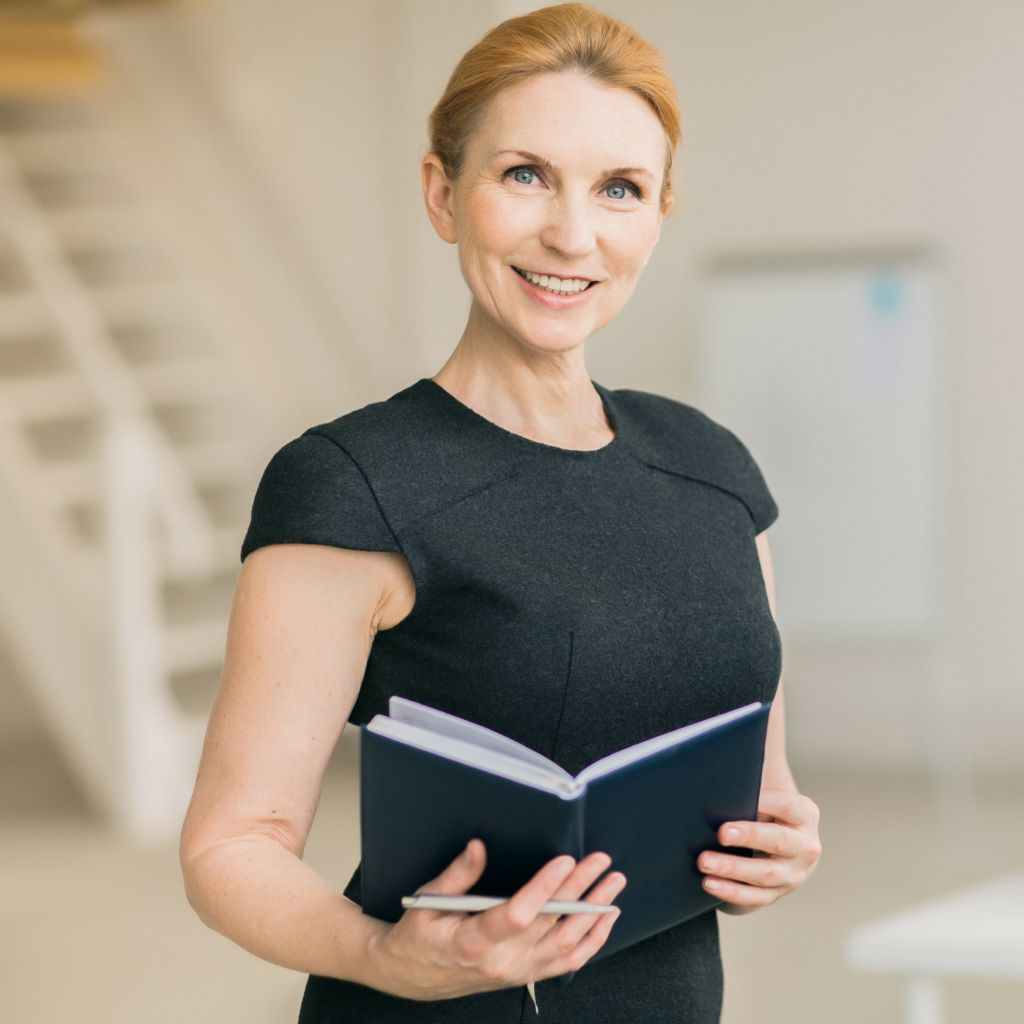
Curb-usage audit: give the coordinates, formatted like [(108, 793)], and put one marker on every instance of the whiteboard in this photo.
[(830, 374)]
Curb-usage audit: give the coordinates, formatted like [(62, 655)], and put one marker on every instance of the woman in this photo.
[(576, 568)]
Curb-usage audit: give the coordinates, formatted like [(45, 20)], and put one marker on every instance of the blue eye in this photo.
[(523, 176), (617, 192)]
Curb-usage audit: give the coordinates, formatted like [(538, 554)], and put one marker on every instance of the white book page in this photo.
[(653, 746), (459, 729), (553, 779)]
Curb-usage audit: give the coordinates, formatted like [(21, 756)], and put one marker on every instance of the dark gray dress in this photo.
[(577, 601)]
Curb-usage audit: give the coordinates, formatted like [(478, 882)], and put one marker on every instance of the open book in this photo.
[(431, 782)]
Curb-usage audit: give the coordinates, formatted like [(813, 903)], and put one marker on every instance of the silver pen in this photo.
[(475, 904)]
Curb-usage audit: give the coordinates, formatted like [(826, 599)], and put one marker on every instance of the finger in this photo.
[(522, 909), (462, 874), (575, 958), (789, 807), (764, 872), (584, 875), (765, 837), (740, 894), (567, 934)]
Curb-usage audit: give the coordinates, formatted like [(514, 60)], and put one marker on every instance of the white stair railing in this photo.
[(153, 521)]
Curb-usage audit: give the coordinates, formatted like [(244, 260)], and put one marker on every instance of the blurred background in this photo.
[(212, 237)]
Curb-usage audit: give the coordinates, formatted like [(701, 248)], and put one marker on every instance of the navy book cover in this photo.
[(431, 782)]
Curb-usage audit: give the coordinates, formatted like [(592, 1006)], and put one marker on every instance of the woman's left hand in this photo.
[(785, 843)]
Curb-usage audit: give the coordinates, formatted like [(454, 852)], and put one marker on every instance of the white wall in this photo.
[(809, 125)]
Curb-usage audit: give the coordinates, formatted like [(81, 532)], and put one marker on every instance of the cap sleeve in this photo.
[(749, 485), (312, 492)]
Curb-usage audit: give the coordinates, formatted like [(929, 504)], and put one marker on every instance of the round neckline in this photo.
[(578, 452)]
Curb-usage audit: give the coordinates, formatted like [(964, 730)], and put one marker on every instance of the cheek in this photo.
[(630, 246), (496, 227)]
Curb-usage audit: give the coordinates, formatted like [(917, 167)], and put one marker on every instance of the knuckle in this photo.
[(579, 957), (494, 970), (519, 918), (574, 963)]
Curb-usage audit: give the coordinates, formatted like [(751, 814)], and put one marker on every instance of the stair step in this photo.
[(22, 314), (142, 302), (149, 341), (83, 227), (43, 398), (64, 484), (195, 646), (32, 355), (189, 379), (221, 462), (42, 147)]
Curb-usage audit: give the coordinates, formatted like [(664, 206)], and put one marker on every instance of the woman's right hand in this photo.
[(433, 954)]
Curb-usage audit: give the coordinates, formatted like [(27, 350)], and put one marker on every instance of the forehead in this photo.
[(571, 119)]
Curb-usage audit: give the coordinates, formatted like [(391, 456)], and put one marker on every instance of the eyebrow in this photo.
[(533, 158)]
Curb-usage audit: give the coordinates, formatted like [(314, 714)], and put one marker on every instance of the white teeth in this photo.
[(556, 285)]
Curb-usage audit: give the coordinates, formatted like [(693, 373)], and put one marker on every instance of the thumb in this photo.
[(462, 874)]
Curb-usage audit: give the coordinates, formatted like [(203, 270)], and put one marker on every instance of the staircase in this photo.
[(130, 446)]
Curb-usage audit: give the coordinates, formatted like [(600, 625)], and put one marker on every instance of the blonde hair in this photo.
[(567, 37)]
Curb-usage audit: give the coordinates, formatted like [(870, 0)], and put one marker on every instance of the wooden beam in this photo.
[(46, 58)]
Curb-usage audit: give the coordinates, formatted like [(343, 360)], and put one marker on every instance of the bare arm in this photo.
[(785, 836), (302, 623), (776, 773)]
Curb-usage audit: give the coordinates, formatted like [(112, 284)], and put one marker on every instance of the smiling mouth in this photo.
[(555, 285)]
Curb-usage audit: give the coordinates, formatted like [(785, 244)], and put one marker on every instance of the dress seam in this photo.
[(565, 694), (369, 485), (707, 483), (452, 504)]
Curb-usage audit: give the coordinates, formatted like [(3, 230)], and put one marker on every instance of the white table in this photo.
[(977, 933)]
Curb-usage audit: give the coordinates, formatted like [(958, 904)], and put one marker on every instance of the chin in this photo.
[(553, 342), (552, 335)]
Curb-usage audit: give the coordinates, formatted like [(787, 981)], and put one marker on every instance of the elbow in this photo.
[(221, 868), (193, 856)]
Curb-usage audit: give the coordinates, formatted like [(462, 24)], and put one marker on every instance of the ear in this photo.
[(437, 194)]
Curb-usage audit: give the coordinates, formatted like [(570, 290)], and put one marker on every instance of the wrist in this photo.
[(379, 967)]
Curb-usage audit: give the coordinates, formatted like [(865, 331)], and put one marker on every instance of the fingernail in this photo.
[(732, 835), (712, 863), (713, 884), (467, 853)]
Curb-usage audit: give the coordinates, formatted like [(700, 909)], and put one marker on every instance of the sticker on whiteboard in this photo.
[(885, 336)]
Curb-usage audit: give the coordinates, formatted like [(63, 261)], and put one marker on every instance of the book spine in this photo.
[(578, 826)]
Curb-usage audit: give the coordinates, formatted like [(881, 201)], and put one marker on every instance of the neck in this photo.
[(544, 396)]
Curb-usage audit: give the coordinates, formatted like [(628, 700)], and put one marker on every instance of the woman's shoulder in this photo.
[(680, 439), (317, 488), (656, 414), (360, 480), (381, 425)]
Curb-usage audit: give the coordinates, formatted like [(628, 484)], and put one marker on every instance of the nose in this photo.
[(569, 229)]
